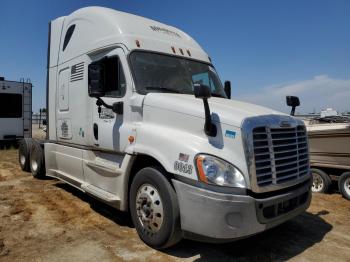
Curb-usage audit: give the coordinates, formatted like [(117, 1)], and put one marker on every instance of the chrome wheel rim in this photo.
[(34, 165), (317, 183), (347, 185), (22, 159), (149, 208)]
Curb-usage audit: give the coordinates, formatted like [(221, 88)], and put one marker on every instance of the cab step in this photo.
[(101, 194)]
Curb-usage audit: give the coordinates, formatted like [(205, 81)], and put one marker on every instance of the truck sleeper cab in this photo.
[(139, 119)]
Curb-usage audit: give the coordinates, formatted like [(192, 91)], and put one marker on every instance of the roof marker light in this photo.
[(188, 52), (182, 52), (137, 43), (173, 48)]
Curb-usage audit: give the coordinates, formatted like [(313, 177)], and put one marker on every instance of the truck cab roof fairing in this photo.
[(99, 27)]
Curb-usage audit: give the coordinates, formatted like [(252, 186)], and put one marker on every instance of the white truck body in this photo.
[(15, 110), (98, 152)]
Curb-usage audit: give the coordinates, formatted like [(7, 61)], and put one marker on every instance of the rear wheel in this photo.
[(154, 208), (344, 185), (37, 162), (320, 181), (24, 153)]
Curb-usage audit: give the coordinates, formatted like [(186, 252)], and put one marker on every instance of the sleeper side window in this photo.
[(68, 36), (115, 84)]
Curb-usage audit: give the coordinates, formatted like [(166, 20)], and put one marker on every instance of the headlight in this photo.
[(212, 170)]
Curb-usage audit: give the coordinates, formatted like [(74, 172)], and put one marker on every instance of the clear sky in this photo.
[(266, 48)]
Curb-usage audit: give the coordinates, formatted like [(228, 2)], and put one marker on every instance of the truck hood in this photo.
[(227, 111)]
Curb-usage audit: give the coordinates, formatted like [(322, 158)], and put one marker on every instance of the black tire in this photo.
[(344, 185), (24, 153), (37, 161), (169, 232), (321, 181)]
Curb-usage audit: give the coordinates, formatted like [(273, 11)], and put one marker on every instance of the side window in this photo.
[(68, 36), (115, 84), (207, 79), (110, 78), (10, 105)]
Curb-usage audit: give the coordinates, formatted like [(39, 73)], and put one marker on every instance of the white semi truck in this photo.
[(15, 110), (138, 118)]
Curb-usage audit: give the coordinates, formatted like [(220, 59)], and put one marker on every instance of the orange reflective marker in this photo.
[(131, 139), (202, 176)]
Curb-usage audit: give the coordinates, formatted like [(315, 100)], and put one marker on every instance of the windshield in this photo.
[(169, 74)]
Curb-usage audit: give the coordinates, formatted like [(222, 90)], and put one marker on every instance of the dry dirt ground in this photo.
[(38, 133), (47, 220)]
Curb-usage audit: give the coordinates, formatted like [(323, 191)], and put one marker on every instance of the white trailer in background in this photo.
[(15, 110)]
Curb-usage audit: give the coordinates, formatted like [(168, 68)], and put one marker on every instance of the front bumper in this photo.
[(212, 216)]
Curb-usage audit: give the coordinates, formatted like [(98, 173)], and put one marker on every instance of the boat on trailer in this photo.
[(329, 147)]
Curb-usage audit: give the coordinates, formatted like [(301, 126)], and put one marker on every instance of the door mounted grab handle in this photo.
[(96, 131)]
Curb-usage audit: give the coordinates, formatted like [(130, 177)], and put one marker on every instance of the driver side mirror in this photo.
[(228, 89), (96, 80), (202, 91)]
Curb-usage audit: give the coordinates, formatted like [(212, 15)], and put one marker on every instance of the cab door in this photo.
[(106, 124), (102, 164)]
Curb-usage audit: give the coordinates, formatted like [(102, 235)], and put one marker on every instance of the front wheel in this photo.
[(344, 185), (154, 208)]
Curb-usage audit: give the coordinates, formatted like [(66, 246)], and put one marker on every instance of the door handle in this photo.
[(96, 131)]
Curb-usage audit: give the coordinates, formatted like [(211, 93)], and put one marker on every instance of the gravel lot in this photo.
[(47, 220)]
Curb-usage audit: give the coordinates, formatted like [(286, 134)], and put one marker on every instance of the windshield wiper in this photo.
[(217, 95), (169, 90), (162, 89)]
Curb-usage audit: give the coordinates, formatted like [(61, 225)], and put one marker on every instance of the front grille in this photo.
[(280, 154)]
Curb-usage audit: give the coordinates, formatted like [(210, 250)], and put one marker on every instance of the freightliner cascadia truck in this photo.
[(138, 118)]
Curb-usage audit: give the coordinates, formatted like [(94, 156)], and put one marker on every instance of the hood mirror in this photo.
[(292, 101), (203, 92)]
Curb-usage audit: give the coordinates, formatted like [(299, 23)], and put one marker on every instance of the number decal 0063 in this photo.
[(182, 167)]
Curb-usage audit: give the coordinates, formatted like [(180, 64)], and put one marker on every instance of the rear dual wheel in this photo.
[(31, 157), (37, 162), (24, 149)]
